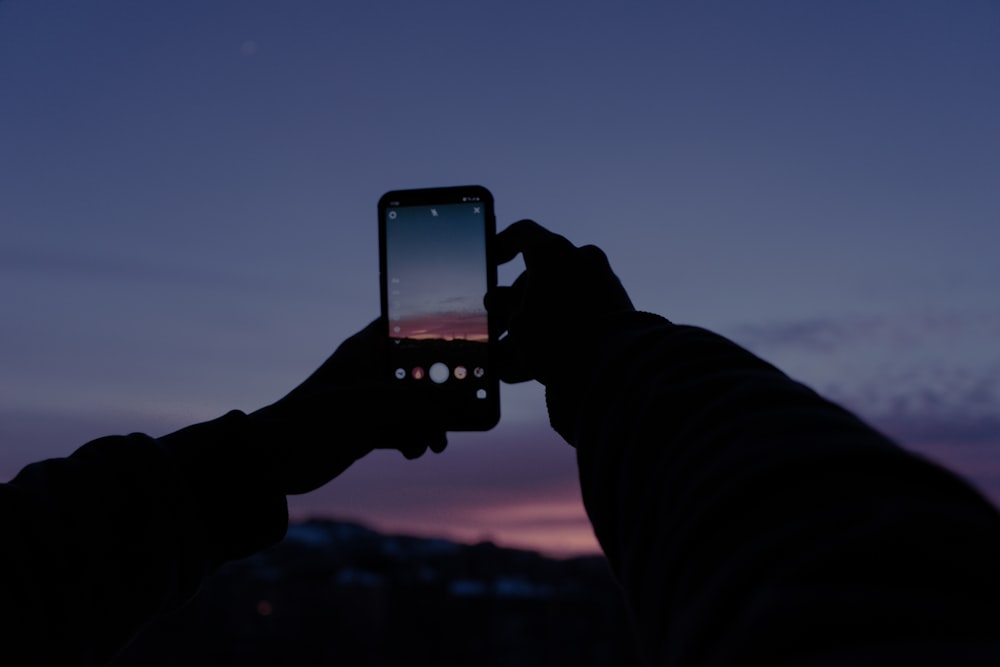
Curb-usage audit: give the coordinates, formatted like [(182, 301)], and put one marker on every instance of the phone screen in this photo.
[(435, 272)]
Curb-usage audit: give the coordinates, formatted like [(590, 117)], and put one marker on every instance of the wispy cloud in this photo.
[(832, 335), (949, 415), (29, 435), (157, 269), (815, 334), (928, 380), (926, 376), (77, 264), (942, 427)]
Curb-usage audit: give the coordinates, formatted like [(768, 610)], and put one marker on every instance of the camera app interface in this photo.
[(436, 279)]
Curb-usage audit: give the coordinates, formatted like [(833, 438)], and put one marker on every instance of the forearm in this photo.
[(745, 516), (126, 528)]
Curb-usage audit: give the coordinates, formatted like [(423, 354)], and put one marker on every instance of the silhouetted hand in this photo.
[(338, 414), (553, 308)]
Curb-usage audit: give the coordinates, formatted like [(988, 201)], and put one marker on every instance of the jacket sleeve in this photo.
[(98, 543), (750, 521)]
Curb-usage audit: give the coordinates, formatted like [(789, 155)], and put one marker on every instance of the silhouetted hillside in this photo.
[(339, 593)]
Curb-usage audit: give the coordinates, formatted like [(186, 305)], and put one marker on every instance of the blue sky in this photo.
[(438, 259), (188, 190)]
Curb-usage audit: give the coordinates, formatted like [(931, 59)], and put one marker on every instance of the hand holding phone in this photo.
[(551, 313), (334, 417), (436, 266)]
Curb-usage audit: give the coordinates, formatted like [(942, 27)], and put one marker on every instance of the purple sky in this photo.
[(188, 190)]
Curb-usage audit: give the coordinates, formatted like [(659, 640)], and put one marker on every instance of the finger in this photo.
[(596, 262), (430, 436), (500, 303), (530, 239), (405, 425), (510, 359), (440, 445), (413, 440), (593, 256), (503, 303), (411, 452)]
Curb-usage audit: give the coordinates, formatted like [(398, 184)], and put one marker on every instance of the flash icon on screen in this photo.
[(434, 212)]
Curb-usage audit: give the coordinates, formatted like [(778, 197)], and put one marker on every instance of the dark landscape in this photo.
[(339, 593)]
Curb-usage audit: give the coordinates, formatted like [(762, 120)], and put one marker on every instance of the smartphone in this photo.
[(435, 267)]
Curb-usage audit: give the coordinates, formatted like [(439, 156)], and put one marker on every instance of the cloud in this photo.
[(951, 416), (184, 277), (930, 402), (928, 377), (77, 265), (918, 429), (834, 335), (28, 435), (928, 380), (815, 334)]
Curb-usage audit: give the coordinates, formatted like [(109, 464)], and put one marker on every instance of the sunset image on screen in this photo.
[(442, 326), (435, 259)]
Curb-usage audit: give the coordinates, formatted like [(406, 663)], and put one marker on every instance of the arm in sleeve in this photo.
[(750, 521), (98, 543)]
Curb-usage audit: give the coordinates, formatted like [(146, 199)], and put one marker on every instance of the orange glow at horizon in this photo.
[(427, 335), (442, 326), (556, 526)]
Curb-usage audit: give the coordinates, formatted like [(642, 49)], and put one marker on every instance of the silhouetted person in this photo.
[(98, 543), (749, 521)]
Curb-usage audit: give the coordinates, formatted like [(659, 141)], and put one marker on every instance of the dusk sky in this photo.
[(188, 210), (436, 272)]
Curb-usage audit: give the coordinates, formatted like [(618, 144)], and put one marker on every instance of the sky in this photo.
[(436, 272), (188, 211)]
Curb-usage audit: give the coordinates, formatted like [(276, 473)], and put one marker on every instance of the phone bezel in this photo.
[(453, 420)]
